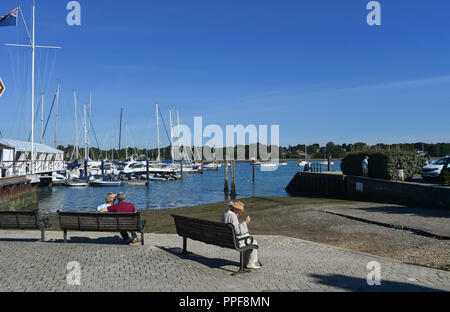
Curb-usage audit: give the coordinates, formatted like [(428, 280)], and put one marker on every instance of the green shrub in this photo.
[(383, 165)]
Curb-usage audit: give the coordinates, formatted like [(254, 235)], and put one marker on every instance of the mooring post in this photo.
[(233, 180), (181, 166), (103, 167), (329, 163), (226, 176), (254, 164), (147, 176)]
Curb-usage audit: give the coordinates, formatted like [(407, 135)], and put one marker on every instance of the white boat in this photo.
[(72, 183), (268, 165), (325, 163), (106, 183), (212, 166), (158, 177), (140, 167), (303, 163)]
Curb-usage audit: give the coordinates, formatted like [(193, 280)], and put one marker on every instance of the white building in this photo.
[(15, 158)]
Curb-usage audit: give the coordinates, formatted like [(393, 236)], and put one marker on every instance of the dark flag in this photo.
[(9, 19)]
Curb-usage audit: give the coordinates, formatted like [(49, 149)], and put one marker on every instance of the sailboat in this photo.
[(35, 167), (303, 163)]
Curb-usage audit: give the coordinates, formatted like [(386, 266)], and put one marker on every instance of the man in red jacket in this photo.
[(124, 207)]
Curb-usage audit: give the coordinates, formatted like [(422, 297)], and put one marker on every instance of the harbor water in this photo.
[(192, 190)]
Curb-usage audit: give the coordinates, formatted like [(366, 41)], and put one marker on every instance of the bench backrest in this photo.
[(208, 232), (99, 222), (24, 220)]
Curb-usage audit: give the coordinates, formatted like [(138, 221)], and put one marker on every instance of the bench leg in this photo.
[(142, 238), (65, 237), (242, 269), (184, 246), (185, 252), (42, 235)]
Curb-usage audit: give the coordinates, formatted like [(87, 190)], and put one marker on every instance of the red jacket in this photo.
[(122, 207)]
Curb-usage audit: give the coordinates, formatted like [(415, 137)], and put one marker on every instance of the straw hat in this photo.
[(237, 205)]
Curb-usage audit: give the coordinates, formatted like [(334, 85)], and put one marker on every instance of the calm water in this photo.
[(193, 190)]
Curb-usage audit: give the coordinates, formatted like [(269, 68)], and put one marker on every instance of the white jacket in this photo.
[(230, 217)]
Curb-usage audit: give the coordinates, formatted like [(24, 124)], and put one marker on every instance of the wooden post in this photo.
[(103, 167), (233, 180), (226, 176), (147, 170), (181, 166), (253, 164), (329, 163)]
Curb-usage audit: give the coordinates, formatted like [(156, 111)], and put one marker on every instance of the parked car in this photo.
[(433, 170)]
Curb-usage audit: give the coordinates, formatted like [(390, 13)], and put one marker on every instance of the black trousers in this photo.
[(125, 236)]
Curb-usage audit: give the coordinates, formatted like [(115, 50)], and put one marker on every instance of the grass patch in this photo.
[(160, 220)]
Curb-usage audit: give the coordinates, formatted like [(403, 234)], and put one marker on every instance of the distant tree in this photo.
[(359, 147), (334, 151)]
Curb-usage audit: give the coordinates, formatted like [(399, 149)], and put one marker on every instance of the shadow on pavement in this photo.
[(113, 240), (23, 240), (359, 284), (213, 263), (411, 210)]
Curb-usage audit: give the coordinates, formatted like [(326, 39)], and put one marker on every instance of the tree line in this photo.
[(313, 151)]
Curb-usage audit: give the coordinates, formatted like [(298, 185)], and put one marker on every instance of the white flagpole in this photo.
[(33, 47)]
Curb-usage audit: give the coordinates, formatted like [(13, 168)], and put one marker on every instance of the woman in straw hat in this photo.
[(241, 229)]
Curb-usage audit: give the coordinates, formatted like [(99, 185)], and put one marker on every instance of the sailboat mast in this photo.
[(42, 117), (76, 124), (157, 133), (56, 115), (86, 156), (32, 85), (171, 132), (126, 141), (120, 130), (88, 124)]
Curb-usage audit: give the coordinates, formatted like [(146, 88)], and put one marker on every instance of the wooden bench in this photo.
[(213, 233), (23, 220), (101, 222)]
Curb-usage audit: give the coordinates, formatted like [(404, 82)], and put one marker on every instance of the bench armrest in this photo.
[(248, 240)]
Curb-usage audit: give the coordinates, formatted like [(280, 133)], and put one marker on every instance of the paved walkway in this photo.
[(106, 265), (424, 219)]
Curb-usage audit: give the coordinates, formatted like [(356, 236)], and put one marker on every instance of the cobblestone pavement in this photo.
[(289, 264)]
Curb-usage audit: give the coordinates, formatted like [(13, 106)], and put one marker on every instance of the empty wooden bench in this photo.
[(213, 233), (101, 222), (23, 220)]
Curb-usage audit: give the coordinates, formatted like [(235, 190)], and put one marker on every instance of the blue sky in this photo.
[(313, 67)]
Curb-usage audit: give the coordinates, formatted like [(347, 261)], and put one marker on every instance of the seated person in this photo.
[(109, 198), (124, 207), (241, 229)]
